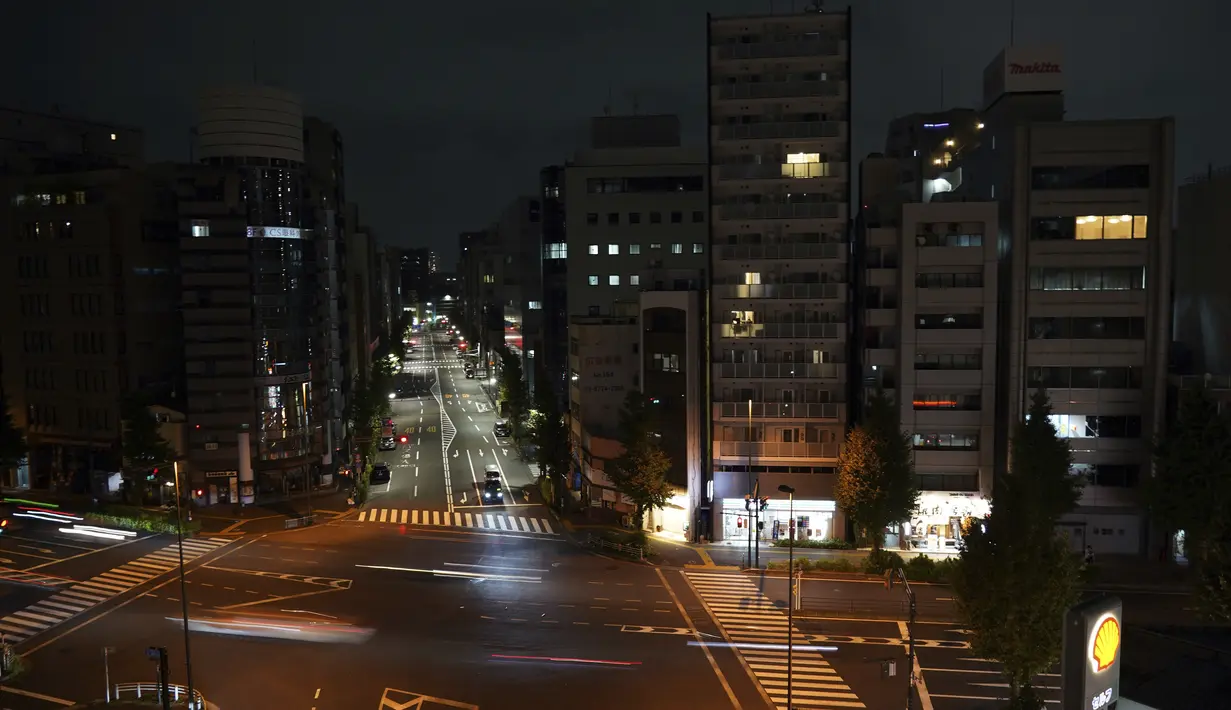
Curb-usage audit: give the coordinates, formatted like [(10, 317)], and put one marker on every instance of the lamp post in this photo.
[(790, 591), (748, 505), (179, 535)]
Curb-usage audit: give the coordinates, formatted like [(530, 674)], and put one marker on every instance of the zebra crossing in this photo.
[(758, 629), (443, 518), (83, 596)]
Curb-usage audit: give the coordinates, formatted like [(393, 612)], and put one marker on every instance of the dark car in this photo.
[(501, 428), (493, 494), (387, 443), (380, 474), (470, 374)]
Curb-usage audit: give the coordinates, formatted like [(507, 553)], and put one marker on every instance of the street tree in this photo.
[(550, 433), (142, 445), (13, 447), (513, 393), (876, 473), (1016, 575), (1191, 491), (641, 470)]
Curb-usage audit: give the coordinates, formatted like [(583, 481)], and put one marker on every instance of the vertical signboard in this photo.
[(1090, 666)]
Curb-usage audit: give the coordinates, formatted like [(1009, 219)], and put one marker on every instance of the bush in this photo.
[(141, 521), (807, 565), (826, 544), (919, 569), (880, 560)]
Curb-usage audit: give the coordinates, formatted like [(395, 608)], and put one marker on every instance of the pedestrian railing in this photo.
[(302, 521), (153, 693), (884, 610), (624, 549)]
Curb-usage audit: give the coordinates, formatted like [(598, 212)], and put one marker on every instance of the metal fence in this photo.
[(635, 551), (302, 521), (152, 692)]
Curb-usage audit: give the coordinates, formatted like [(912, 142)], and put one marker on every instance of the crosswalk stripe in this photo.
[(482, 521), (82, 596), (748, 616)]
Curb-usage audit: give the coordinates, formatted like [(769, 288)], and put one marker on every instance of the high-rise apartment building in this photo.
[(553, 243), (1202, 314), (779, 137)]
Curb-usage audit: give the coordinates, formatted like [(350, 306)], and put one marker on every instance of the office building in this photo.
[(1202, 316), (520, 289), (553, 242), (779, 109), (248, 299), (637, 259)]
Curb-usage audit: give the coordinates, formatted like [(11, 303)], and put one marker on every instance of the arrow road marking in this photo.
[(333, 582)]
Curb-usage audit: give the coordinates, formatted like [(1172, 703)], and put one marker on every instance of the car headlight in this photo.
[(487, 495), (500, 494)]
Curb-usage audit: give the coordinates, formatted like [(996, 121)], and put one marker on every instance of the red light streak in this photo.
[(567, 660)]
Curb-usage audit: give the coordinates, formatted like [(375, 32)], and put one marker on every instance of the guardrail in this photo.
[(302, 521), (886, 610), (630, 550), (153, 692)]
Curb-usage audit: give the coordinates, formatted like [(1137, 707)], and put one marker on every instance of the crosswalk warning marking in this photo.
[(479, 521)]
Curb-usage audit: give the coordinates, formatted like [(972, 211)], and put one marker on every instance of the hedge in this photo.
[(141, 521), (920, 568), (825, 544)]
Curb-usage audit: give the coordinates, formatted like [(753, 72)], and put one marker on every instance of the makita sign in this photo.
[(1034, 68)]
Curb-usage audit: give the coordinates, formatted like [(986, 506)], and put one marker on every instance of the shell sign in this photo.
[(1104, 643)]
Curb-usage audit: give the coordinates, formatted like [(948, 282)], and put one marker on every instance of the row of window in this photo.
[(667, 362), (1091, 227), (38, 231), (948, 361), (45, 199), (949, 240), (614, 280), (1090, 177), (969, 280), (669, 183), (960, 442), (1089, 426), (635, 249), (1108, 278), (1085, 377), (79, 266), (948, 321), (961, 402), (613, 218), (1091, 328)]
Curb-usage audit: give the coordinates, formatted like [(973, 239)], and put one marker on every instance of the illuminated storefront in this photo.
[(814, 519), (937, 524)]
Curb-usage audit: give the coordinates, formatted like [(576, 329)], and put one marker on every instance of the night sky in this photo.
[(448, 109)]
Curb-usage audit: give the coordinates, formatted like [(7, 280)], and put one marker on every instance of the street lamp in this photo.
[(179, 535), (790, 591)]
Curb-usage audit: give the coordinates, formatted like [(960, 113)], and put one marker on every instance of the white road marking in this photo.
[(416, 494), (476, 428)]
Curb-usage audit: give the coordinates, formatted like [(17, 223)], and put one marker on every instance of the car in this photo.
[(470, 374), (387, 443), (380, 474), (491, 472), (501, 428), (493, 494)]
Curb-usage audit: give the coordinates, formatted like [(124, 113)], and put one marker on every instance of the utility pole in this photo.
[(910, 629), (179, 535), (790, 592), (158, 654)]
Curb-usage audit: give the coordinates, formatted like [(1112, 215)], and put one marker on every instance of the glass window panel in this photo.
[(1118, 227), (1089, 227), (1139, 226)]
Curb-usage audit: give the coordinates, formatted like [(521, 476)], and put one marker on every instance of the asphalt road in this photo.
[(486, 620)]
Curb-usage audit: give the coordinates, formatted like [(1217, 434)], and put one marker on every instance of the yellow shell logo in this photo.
[(1105, 644)]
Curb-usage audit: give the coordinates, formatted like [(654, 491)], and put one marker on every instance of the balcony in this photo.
[(811, 331), (777, 90), (778, 370), (782, 251), (776, 450), (779, 171), (802, 210), (778, 410), (792, 292), (775, 50), (780, 130)]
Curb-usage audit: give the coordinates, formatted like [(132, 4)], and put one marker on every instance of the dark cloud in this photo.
[(449, 109)]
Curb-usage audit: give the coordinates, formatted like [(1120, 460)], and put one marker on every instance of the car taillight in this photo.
[(405, 439)]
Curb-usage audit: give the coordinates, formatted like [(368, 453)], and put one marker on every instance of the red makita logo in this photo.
[(1034, 68)]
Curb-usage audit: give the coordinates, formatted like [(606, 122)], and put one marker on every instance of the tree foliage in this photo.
[(1016, 576), (513, 393), (12, 440), (641, 471), (550, 433), (1191, 491), (143, 445), (876, 474)]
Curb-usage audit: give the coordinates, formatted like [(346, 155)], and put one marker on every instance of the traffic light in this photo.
[(748, 503), (764, 503)]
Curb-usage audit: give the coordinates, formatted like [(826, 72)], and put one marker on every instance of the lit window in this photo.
[(112, 136), (677, 248), (634, 249), (634, 279), (559, 250), (593, 248), (697, 248), (613, 280), (1125, 226), (200, 227), (752, 278), (654, 245), (535, 305), (613, 249), (804, 165), (592, 279)]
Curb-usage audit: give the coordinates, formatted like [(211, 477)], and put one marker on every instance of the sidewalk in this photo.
[(270, 516)]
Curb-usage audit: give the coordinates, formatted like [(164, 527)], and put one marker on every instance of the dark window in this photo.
[(1116, 278), (1087, 328), (677, 217), (968, 280), (1053, 228), (592, 218), (1085, 377), (941, 321), (946, 361), (951, 239), (698, 216), (634, 218), (964, 442), (613, 218), (670, 183), (1114, 475), (656, 218), (1093, 177)]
